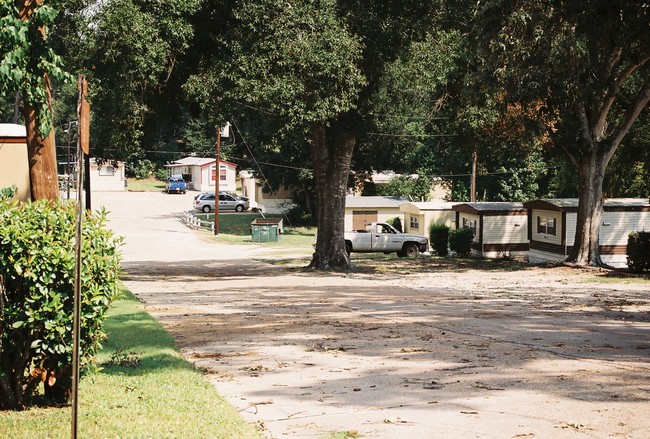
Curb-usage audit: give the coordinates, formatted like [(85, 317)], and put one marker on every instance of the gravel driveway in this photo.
[(535, 353)]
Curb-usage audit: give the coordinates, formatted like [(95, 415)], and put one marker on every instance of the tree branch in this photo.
[(631, 115), (612, 93)]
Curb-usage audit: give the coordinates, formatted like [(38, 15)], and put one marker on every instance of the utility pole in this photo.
[(217, 177), (472, 189)]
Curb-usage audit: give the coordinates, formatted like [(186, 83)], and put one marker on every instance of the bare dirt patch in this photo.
[(398, 348)]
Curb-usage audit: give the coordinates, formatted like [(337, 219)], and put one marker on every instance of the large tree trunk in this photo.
[(586, 247), (42, 159), (331, 159)]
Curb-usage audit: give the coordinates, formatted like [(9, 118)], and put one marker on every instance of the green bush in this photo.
[(37, 262), (7, 193), (439, 238), (460, 241), (638, 251), (396, 222)]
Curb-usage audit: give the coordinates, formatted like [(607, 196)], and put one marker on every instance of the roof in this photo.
[(419, 206), (491, 208), (12, 130), (197, 161), (374, 201), (571, 204)]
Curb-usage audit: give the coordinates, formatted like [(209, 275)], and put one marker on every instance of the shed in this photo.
[(360, 211), (500, 228), (418, 216), (552, 228), (14, 159), (107, 175), (200, 173)]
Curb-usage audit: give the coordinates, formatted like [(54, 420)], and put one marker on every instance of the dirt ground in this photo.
[(432, 353)]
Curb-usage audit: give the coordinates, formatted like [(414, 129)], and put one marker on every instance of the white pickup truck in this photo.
[(382, 237)]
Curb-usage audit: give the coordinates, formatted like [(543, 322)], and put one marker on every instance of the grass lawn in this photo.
[(145, 185), (144, 389)]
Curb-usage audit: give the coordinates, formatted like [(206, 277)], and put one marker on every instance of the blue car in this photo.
[(176, 184)]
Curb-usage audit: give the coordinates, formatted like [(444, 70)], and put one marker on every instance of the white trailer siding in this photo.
[(620, 217), (501, 231)]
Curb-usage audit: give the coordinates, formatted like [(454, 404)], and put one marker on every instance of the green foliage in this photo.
[(439, 238), (7, 193), (140, 168), (416, 188), (27, 57), (638, 251), (396, 222), (37, 263), (460, 241)]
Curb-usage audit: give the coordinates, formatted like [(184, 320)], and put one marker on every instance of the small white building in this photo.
[(360, 211), (552, 228), (107, 176), (14, 160), (500, 228), (200, 173), (418, 216)]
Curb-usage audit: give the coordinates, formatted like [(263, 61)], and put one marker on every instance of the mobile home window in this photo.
[(107, 170), (546, 226), (415, 223), (470, 224)]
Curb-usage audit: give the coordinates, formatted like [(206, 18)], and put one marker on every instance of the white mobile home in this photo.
[(552, 228), (200, 173), (500, 228), (360, 211), (418, 216)]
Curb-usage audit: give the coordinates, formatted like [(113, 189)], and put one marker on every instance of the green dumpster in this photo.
[(266, 229)]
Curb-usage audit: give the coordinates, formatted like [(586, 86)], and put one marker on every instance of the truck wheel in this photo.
[(401, 254), (348, 248), (411, 250)]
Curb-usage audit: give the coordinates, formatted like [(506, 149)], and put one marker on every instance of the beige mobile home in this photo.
[(500, 228), (552, 228), (418, 216), (360, 211), (107, 176), (14, 161)]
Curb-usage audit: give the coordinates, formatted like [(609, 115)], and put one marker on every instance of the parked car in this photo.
[(205, 202), (176, 184)]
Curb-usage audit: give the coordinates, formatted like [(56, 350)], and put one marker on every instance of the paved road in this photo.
[(533, 354)]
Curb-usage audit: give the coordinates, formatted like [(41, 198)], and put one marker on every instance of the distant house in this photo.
[(418, 216), (14, 161), (107, 176), (500, 228), (200, 173), (360, 211), (276, 202), (552, 228)]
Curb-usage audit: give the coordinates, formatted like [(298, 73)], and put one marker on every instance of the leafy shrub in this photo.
[(7, 193), (143, 168), (460, 241), (37, 262), (439, 238), (638, 251), (396, 222)]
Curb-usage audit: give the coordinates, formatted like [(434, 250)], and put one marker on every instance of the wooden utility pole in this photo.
[(43, 175), (217, 177), (472, 189)]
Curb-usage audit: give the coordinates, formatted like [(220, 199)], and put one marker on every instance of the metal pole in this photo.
[(216, 184), (76, 327)]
